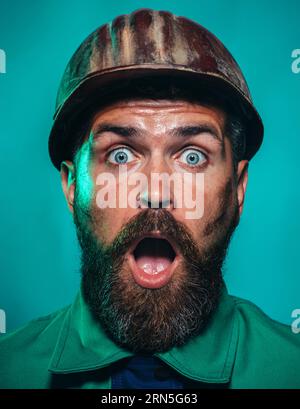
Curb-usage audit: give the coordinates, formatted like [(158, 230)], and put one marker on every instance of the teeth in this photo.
[(149, 268), (160, 267)]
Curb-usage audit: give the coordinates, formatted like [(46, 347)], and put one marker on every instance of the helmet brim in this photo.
[(103, 84)]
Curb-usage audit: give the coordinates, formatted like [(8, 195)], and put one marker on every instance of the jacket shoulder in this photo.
[(25, 353), (266, 348), (249, 312)]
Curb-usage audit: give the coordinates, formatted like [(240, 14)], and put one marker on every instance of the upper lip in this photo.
[(156, 235)]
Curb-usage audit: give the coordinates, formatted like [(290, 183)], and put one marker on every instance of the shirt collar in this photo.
[(83, 345)]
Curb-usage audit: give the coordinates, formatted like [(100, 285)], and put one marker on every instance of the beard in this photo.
[(148, 320)]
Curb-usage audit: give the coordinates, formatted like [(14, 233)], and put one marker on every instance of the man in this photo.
[(153, 94)]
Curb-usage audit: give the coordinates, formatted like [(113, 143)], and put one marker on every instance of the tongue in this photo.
[(153, 265), (154, 255)]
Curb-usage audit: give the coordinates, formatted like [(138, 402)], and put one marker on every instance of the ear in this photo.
[(242, 179), (67, 174)]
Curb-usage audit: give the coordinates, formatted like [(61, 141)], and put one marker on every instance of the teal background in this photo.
[(39, 253)]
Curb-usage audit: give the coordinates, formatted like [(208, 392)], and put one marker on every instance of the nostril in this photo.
[(158, 204), (154, 202), (162, 204)]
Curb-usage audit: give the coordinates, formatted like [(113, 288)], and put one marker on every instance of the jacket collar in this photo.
[(83, 345)]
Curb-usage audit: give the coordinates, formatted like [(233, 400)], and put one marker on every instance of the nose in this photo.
[(158, 191), (154, 200)]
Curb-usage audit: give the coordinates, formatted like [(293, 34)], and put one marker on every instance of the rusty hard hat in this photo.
[(147, 42)]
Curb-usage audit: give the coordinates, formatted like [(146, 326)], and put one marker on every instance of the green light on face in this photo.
[(84, 181)]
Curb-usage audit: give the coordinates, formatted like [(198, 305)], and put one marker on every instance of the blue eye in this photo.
[(193, 157), (120, 156)]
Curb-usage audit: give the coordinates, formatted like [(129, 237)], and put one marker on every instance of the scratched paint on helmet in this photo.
[(150, 40)]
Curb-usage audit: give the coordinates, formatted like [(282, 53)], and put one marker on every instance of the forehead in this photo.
[(152, 113)]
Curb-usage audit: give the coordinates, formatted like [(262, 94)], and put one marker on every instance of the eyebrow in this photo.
[(125, 131), (186, 131), (182, 131)]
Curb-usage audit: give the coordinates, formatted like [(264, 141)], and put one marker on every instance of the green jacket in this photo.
[(240, 348)]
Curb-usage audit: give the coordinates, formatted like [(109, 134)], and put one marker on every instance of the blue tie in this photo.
[(144, 372)]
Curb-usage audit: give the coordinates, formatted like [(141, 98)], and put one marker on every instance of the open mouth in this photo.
[(153, 261)]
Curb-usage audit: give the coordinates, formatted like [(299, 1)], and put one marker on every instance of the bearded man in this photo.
[(153, 94)]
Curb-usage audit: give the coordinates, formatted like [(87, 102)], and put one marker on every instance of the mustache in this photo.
[(150, 220)]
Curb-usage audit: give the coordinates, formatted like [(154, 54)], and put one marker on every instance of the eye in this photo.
[(120, 156), (193, 157)]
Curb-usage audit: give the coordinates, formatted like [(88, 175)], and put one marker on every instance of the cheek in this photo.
[(211, 201), (108, 222), (218, 188), (84, 179), (219, 202), (110, 207), (102, 224), (204, 196)]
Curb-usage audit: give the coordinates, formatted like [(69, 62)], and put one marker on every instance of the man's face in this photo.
[(152, 276)]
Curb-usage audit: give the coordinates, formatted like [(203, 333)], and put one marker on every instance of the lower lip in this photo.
[(147, 280)]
